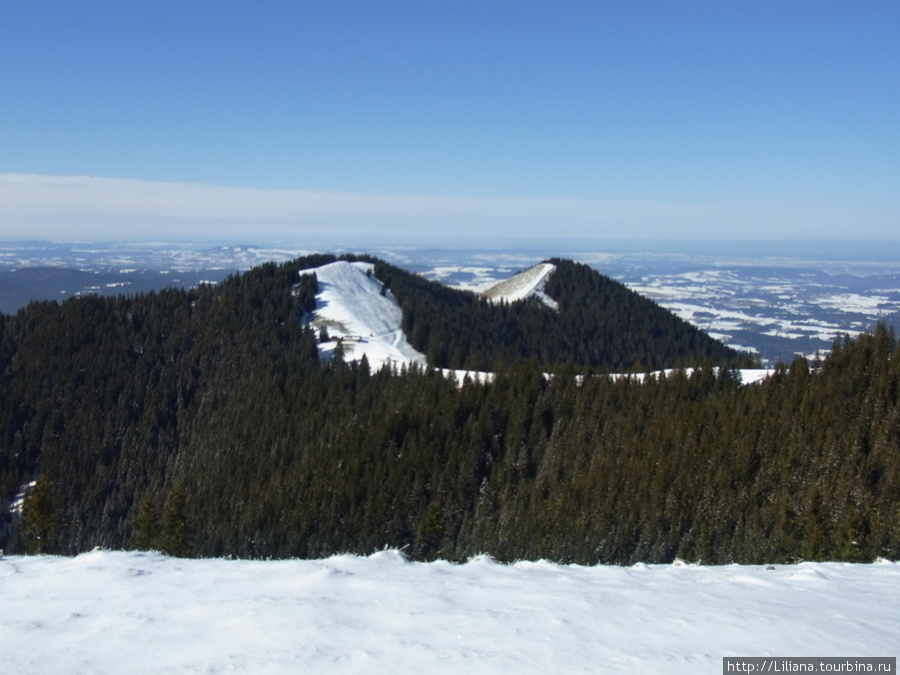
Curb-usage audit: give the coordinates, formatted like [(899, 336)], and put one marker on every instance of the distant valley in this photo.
[(774, 305)]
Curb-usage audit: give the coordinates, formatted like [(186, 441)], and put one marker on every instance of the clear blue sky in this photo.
[(729, 119)]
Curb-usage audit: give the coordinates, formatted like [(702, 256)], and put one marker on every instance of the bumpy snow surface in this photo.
[(523, 285), (350, 306), (116, 612)]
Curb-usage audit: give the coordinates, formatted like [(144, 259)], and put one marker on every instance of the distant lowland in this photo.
[(774, 299)]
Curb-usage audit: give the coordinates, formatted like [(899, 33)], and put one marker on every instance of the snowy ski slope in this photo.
[(523, 285), (351, 307)]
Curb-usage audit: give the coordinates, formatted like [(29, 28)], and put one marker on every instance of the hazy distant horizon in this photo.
[(860, 250), (82, 207), (775, 299), (449, 122)]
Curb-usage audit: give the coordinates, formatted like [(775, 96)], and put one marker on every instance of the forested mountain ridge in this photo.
[(598, 322), (204, 423)]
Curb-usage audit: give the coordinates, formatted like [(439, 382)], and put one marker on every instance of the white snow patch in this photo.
[(473, 376), (753, 375), (350, 305), (115, 612), (19, 500), (523, 285), (874, 305), (748, 375), (777, 332)]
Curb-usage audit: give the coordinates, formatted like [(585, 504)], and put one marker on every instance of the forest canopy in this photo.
[(203, 423)]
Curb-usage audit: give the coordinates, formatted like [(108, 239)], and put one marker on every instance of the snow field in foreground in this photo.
[(118, 612)]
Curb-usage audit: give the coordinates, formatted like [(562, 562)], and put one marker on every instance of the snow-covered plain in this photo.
[(126, 612)]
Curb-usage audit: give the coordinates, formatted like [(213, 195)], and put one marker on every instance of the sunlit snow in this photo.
[(117, 612), (358, 313), (529, 283), (875, 305)]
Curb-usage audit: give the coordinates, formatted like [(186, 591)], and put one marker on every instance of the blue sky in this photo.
[(437, 120)]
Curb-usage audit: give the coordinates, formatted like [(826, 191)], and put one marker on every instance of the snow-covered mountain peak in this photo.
[(529, 283), (357, 313)]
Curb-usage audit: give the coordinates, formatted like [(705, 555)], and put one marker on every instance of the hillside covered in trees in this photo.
[(203, 423), (599, 322)]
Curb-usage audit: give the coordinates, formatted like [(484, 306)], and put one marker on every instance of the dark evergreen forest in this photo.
[(202, 423), (600, 323)]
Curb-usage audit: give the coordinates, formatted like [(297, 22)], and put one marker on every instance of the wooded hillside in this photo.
[(203, 423), (600, 323)]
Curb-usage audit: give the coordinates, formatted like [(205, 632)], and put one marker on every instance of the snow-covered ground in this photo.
[(351, 307), (117, 612), (748, 375), (523, 285)]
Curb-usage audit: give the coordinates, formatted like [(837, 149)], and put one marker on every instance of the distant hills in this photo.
[(752, 297), (230, 420), (594, 321), (556, 312), (19, 287)]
